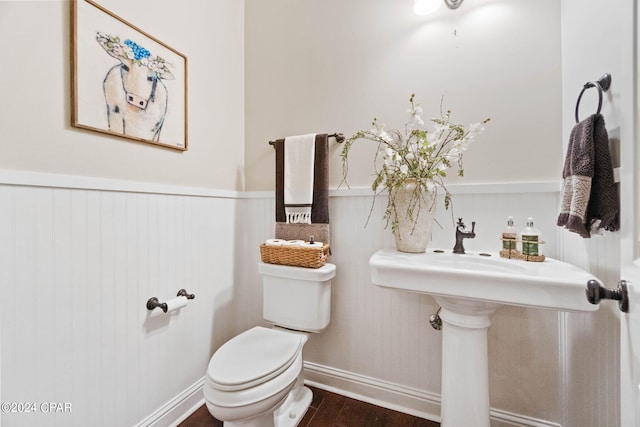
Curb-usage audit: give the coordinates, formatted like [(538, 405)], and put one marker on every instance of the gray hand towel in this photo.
[(589, 195)]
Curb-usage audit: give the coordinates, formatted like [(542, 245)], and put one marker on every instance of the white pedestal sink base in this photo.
[(465, 372), (469, 288)]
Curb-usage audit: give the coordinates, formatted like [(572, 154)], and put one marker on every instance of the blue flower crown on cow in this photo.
[(131, 51)]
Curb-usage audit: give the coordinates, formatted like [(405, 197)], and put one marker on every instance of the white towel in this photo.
[(299, 156)]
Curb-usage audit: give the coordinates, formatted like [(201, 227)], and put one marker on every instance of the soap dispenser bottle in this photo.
[(509, 238), (530, 238)]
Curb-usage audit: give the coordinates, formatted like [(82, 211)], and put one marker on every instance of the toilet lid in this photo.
[(253, 357)]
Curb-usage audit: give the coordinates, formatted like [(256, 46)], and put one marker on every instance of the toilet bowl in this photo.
[(251, 375), (256, 378)]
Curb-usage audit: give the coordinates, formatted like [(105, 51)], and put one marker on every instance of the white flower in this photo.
[(416, 110), (116, 50), (440, 127), (128, 52), (384, 135), (461, 145), (434, 138), (415, 119), (379, 131), (404, 168), (475, 129)]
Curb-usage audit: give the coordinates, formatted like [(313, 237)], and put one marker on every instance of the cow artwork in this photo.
[(136, 98)]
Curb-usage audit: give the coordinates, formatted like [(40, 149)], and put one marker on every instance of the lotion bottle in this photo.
[(530, 238), (509, 236)]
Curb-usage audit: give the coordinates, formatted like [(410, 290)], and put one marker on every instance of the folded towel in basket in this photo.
[(590, 199), (319, 224)]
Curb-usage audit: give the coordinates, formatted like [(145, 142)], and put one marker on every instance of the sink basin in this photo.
[(485, 276)]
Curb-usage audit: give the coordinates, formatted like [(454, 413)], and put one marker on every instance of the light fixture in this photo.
[(453, 4), (425, 7)]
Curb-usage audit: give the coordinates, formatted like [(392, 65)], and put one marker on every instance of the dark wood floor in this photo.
[(332, 410)]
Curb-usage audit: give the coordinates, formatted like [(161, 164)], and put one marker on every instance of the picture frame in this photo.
[(125, 82)]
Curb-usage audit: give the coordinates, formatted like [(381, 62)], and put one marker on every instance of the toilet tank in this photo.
[(296, 297)]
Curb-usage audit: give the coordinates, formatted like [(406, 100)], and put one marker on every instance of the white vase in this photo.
[(415, 214)]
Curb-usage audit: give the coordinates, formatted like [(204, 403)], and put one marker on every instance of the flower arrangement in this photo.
[(138, 55), (418, 155)]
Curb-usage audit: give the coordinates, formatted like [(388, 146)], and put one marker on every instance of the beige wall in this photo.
[(331, 65), (35, 107), (308, 67)]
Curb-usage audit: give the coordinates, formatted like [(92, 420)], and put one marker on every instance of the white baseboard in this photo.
[(501, 418), (413, 401), (388, 395), (177, 409), (416, 402)]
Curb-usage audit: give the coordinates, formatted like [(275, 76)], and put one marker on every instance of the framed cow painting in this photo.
[(124, 81)]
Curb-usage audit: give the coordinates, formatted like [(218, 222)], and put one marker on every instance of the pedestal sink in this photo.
[(469, 288)]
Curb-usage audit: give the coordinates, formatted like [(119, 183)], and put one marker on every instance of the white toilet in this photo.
[(256, 378)]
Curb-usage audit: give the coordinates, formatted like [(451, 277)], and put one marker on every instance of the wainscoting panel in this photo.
[(77, 267), (591, 354)]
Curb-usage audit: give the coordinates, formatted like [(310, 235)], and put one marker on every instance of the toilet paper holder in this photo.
[(154, 302)]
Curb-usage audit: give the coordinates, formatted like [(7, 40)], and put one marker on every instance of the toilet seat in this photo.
[(253, 358)]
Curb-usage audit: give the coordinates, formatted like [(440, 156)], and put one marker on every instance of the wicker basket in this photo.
[(298, 256)]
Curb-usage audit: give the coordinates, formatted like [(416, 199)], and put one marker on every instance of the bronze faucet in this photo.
[(462, 233)]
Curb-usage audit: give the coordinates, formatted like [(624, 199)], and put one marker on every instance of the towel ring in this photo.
[(602, 84)]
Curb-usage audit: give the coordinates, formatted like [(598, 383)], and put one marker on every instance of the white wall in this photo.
[(332, 66), (35, 76)]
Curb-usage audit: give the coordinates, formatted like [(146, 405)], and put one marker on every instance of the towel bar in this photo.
[(338, 136), (602, 84)]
